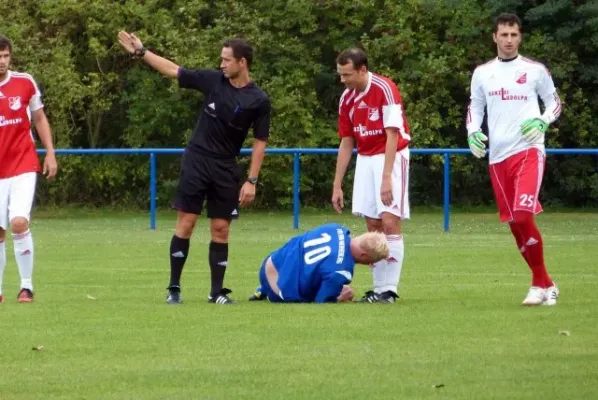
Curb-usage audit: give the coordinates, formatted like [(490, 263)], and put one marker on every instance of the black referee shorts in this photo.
[(212, 179)]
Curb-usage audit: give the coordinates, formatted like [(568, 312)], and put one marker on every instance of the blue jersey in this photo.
[(314, 266)]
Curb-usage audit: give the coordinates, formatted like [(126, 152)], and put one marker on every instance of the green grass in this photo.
[(459, 322)]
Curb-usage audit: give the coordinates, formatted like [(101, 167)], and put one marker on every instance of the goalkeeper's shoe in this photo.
[(174, 295), (552, 294), (535, 296), (388, 297), (258, 295), (222, 297), (369, 297), (25, 296)]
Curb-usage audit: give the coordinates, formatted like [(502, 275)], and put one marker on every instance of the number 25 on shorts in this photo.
[(526, 200)]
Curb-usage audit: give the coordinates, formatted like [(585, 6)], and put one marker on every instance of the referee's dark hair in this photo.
[(355, 55), (241, 49), (5, 43)]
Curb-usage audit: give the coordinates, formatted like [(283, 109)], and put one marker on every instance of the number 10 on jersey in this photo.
[(318, 249)]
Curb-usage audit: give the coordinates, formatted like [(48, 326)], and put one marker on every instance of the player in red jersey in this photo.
[(371, 117), (20, 105)]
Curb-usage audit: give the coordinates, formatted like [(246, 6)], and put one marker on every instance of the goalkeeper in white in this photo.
[(509, 87)]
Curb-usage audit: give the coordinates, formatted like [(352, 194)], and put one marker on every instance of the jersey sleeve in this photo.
[(549, 96), (261, 126), (35, 102), (475, 111), (345, 126), (199, 79), (393, 115), (332, 286)]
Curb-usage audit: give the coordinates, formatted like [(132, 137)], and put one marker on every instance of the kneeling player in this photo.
[(318, 265)]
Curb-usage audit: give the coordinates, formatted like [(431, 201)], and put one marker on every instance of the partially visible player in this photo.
[(317, 266), (371, 116), (20, 106), (509, 87)]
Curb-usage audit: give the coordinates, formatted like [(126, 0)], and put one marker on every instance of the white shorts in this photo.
[(16, 197), (367, 201)]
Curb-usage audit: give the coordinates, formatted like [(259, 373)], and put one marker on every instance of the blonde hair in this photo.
[(375, 244)]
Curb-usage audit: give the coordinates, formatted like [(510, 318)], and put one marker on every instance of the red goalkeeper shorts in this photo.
[(516, 182)]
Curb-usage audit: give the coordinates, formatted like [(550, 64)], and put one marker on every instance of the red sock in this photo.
[(519, 239), (534, 249)]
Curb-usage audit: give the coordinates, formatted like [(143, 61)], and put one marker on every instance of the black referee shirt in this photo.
[(228, 113)]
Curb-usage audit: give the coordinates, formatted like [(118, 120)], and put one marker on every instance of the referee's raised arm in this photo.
[(133, 45)]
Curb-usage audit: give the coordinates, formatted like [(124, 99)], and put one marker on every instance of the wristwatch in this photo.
[(139, 53), (252, 180)]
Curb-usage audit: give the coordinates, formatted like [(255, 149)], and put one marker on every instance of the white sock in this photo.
[(379, 275), (2, 261), (23, 243), (387, 273)]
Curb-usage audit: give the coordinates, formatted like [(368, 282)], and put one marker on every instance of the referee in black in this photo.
[(232, 105)]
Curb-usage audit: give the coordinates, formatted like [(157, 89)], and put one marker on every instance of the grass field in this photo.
[(458, 331)]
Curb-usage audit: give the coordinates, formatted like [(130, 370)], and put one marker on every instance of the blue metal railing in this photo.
[(296, 152)]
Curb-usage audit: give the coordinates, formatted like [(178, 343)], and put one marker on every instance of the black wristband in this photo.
[(139, 53)]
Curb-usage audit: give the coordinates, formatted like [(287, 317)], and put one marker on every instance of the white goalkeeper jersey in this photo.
[(510, 91)]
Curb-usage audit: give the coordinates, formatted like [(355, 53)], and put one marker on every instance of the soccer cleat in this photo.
[(387, 297), (258, 295), (25, 296), (552, 294), (222, 297), (1, 299), (174, 295), (535, 296), (369, 297)]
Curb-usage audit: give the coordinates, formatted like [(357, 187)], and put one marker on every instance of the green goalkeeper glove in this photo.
[(476, 143), (533, 129)]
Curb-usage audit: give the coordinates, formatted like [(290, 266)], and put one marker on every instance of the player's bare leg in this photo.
[(2, 260), (179, 250), (218, 258), (23, 249)]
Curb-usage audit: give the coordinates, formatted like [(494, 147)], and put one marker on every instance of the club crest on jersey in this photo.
[(374, 114), (521, 77), (14, 103)]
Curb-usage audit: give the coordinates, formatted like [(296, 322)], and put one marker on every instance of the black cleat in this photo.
[(369, 297), (388, 297), (222, 297), (174, 295), (258, 295)]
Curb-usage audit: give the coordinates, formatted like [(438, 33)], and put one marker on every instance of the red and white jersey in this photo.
[(365, 115), (510, 90), (19, 98)]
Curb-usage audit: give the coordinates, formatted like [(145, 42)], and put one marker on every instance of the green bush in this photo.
[(98, 97)]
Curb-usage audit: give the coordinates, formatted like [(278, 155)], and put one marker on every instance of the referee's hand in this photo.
[(247, 194), (129, 41)]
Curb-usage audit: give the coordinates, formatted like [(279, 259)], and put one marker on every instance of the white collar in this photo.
[(367, 88), (8, 75)]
